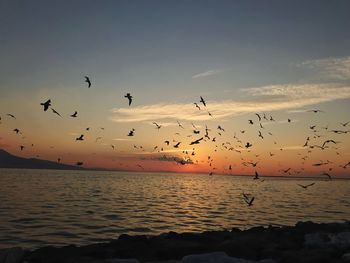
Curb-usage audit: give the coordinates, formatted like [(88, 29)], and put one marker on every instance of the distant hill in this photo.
[(8, 160)]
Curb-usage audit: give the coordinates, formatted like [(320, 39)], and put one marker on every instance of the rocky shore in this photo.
[(305, 242)]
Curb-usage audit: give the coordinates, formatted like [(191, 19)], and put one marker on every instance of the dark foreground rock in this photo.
[(305, 242)]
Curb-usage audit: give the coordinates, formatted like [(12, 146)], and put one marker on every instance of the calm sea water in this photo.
[(41, 207)]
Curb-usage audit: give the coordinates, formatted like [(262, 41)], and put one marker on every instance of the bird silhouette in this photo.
[(54, 111), (306, 186), (74, 115), (197, 106), (46, 104), (131, 133), (11, 115), (177, 145), (129, 97), (259, 118), (80, 138), (203, 102), (157, 125), (87, 80), (196, 141), (17, 131)]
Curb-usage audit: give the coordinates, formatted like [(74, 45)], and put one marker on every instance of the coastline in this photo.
[(304, 242)]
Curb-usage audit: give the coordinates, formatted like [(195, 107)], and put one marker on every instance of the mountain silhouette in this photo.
[(8, 160)]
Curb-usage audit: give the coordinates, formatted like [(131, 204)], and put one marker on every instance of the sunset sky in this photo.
[(243, 57)]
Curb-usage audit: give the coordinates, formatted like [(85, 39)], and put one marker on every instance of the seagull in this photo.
[(196, 141), (180, 125), (157, 125), (250, 122), (54, 111), (129, 97), (248, 145), (131, 133), (286, 171), (87, 80), (167, 142), (11, 115), (315, 111), (258, 116), (177, 145), (289, 120), (112, 146), (74, 115), (46, 104), (197, 106), (328, 175), (260, 135), (344, 124), (80, 138), (306, 186), (249, 202), (220, 128), (16, 131), (203, 101), (328, 141)]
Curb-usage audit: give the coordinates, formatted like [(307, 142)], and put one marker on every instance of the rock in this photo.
[(11, 255), (216, 257), (117, 260), (341, 240), (346, 257), (316, 240)]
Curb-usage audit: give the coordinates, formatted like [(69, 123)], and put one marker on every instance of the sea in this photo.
[(50, 207)]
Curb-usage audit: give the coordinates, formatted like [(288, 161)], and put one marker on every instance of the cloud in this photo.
[(207, 73), (333, 68), (261, 99)]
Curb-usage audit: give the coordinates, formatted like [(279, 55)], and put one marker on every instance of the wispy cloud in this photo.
[(207, 73), (333, 68), (262, 99)]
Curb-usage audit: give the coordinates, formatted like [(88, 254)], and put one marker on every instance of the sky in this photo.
[(276, 58)]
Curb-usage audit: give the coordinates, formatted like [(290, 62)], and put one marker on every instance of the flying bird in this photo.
[(196, 141), (197, 106), (249, 201), (131, 133), (74, 115), (157, 125), (203, 101), (344, 124), (46, 104), (87, 80), (315, 111), (180, 125), (177, 145), (54, 111), (17, 131), (129, 97), (258, 116), (306, 186), (11, 115), (80, 138), (248, 144)]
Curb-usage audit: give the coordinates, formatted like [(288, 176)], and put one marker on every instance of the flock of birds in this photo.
[(237, 146)]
